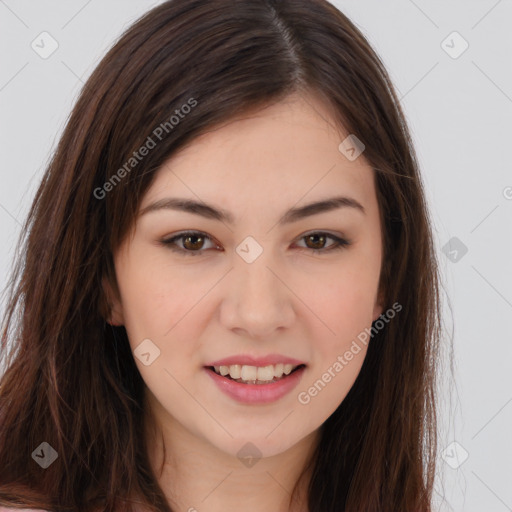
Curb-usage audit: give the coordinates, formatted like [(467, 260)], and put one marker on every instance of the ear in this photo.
[(113, 310), (379, 306)]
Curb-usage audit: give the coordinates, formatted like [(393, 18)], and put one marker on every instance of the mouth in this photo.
[(256, 375), (256, 385)]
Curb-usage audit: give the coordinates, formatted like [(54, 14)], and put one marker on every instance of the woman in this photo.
[(228, 293)]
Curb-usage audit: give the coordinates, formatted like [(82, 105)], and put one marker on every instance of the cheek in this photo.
[(157, 323), (157, 297), (163, 305), (329, 382), (345, 306)]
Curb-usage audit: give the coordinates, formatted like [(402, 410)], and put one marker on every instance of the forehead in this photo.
[(284, 152)]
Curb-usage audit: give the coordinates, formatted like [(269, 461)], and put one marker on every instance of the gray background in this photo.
[(459, 111)]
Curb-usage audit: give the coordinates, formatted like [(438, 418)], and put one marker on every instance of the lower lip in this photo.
[(257, 393)]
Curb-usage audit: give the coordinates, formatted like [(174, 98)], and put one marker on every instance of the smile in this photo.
[(255, 375), (252, 385)]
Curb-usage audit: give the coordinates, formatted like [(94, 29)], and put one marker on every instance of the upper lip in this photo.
[(244, 359)]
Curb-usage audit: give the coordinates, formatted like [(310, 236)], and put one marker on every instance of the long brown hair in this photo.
[(70, 378)]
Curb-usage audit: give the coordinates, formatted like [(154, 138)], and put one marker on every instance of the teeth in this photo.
[(249, 373), (287, 369), (252, 374), (234, 371), (266, 373)]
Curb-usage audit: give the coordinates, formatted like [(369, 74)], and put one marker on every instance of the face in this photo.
[(270, 283)]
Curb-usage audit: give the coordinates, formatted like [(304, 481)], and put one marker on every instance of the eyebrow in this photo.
[(292, 215)]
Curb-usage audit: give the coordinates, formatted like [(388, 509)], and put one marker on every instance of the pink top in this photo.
[(5, 509), (10, 509)]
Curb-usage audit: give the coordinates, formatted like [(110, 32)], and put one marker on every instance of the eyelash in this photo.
[(341, 243)]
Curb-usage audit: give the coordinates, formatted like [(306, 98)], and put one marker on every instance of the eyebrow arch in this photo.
[(292, 215)]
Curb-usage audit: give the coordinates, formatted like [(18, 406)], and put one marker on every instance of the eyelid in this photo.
[(169, 241)]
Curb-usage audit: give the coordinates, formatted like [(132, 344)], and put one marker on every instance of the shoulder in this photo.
[(5, 509), (13, 509)]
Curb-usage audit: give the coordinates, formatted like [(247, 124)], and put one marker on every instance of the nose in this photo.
[(257, 301)]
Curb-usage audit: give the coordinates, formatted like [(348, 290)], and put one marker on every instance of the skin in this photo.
[(289, 301)]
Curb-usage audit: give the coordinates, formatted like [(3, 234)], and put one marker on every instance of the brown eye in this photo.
[(318, 241), (193, 242)]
